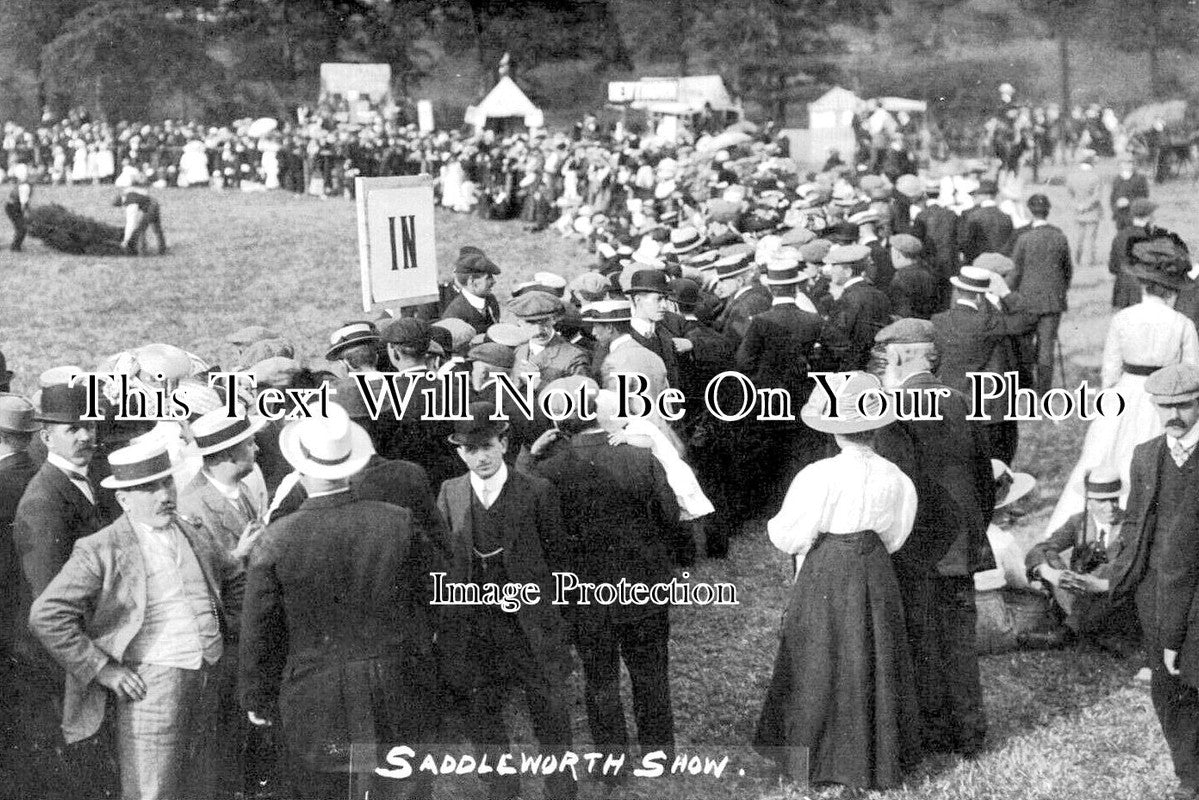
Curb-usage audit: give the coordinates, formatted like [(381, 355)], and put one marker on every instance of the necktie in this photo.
[(1179, 453), (84, 485), (243, 503)]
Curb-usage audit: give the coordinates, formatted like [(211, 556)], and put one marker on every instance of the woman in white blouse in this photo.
[(1142, 339), (841, 706)]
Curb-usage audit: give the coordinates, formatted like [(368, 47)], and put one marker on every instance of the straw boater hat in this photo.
[(331, 447), (685, 240), (140, 463), (607, 311), (784, 268), (852, 389), (350, 335), (217, 431), (1009, 486), (1104, 483), (973, 279)]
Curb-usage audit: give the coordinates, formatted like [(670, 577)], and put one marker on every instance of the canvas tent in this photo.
[(502, 106)]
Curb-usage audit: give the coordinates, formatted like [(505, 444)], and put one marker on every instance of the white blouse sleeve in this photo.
[(905, 513), (1112, 366), (1190, 342), (795, 527)]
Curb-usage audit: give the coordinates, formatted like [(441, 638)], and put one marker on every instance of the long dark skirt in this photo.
[(841, 704)]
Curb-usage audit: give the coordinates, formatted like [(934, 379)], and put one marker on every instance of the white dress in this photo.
[(1148, 334)]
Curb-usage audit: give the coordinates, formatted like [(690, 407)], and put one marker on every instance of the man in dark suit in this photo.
[(975, 336), (342, 587), (504, 527), (861, 310), (1126, 290), (474, 277), (985, 228), (1043, 268), (737, 285), (618, 513), (948, 461), (937, 227), (913, 291), (648, 292), (1158, 563), (1128, 186)]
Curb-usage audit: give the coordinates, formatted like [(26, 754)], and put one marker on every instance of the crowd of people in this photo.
[(191, 603)]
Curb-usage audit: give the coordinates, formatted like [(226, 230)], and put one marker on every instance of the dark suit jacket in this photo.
[(984, 230), (533, 546), (979, 340), (408, 436), (914, 293), (881, 267), (1064, 538), (15, 474), (460, 308), (342, 587), (661, 344), (949, 463), (860, 312), (1043, 269), (1134, 187), (559, 359), (618, 513), (778, 347), (50, 518), (733, 319), (1126, 290), (1168, 606), (937, 227), (90, 612)]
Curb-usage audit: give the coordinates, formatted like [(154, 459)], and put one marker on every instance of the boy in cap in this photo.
[(1157, 563), (1042, 274), (913, 290), (505, 526), (861, 309), (137, 618), (985, 228)]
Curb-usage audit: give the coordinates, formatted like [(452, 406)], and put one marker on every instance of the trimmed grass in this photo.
[(1067, 725)]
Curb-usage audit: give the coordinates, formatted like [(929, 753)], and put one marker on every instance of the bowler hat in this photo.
[(648, 281), (1039, 204), (62, 404), (686, 293), (480, 428)]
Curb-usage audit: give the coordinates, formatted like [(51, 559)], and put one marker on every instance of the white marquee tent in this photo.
[(505, 101)]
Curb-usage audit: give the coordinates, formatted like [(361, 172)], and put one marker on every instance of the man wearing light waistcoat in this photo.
[(135, 617)]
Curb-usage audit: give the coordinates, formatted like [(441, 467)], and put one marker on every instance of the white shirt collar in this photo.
[(852, 281), (72, 470), (1039, 223), (1188, 439), (642, 326), (491, 486), (331, 491), (478, 302), (782, 301), (229, 491), (740, 292), (620, 341), (967, 303)]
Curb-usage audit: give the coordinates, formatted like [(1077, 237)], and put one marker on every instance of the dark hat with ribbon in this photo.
[(62, 404), (648, 281), (480, 428), (1161, 258)]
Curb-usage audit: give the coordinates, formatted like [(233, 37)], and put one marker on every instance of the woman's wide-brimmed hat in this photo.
[(1010, 486), (1161, 258), (861, 404)]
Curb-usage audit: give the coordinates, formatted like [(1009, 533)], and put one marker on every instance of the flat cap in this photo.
[(535, 305), (277, 371), (461, 331), (847, 254), (472, 263), (508, 334), (406, 332), (994, 262), (816, 251), (906, 331), (590, 283), (493, 353), (796, 237), (907, 244), (1142, 207), (1177, 383)]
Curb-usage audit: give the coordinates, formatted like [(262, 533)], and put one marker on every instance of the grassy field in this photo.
[(1068, 725)]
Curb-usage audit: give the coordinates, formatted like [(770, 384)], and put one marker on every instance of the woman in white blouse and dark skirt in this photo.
[(841, 706)]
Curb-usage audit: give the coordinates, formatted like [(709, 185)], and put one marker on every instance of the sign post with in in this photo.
[(397, 250)]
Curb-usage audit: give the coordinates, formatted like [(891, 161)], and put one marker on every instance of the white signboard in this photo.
[(424, 115), (632, 91), (397, 250)]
